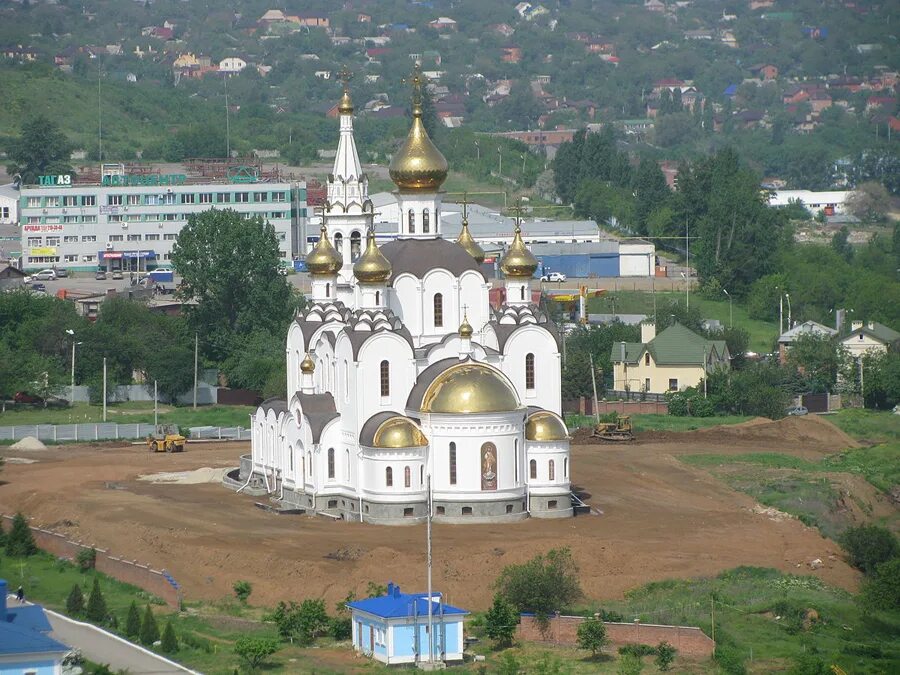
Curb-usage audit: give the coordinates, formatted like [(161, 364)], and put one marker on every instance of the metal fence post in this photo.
[(96, 432), (220, 433), (54, 433), (117, 431), (76, 431)]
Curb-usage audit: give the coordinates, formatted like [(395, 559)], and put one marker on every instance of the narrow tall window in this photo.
[(438, 310), (328, 290), (347, 465), (389, 477), (551, 470), (412, 222), (377, 297), (516, 461), (355, 245), (385, 378), (529, 371), (522, 293), (532, 469), (422, 475), (407, 477), (565, 468), (426, 224), (339, 243), (331, 462), (453, 464)]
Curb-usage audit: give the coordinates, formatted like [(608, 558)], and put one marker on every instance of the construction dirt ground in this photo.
[(652, 518)]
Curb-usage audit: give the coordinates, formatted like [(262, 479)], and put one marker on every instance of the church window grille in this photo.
[(453, 464), (385, 378), (551, 470), (389, 477), (339, 243), (438, 310), (426, 222), (532, 469), (529, 371), (331, 462), (407, 477), (412, 222)]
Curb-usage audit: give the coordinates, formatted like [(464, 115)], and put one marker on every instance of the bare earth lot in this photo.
[(659, 519)]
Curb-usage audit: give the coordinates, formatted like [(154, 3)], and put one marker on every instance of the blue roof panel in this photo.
[(15, 640), (29, 617), (396, 604)]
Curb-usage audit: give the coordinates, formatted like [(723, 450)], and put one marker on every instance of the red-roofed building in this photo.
[(511, 54)]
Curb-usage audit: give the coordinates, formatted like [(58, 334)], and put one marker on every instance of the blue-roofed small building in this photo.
[(25, 643), (393, 628)]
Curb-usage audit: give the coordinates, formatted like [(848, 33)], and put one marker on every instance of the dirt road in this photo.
[(659, 519)]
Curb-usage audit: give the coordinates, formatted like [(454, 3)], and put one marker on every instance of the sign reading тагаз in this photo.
[(64, 179), (148, 179)]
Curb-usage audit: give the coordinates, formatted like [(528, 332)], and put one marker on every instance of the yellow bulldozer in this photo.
[(166, 439), (620, 430)]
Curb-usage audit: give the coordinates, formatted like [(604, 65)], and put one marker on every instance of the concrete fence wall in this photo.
[(585, 406), (100, 431), (157, 582), (688, 640)]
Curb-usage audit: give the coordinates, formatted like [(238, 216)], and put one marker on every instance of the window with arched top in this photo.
[(426, 223), (551, 470), (389, 477), (566, 468), (355, 245), (529, 371), (407, 477), (377, 297), (532, 469), (347, 465), (412, 221), (339, 242), (385, 376), (522, 293), (331, 462), (453, 464), (438, 310)]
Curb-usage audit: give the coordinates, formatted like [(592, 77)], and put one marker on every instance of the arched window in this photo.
[(453, 464), (389, 477), (426, 224), (291, 458), (522, 293), (355, 242), (566, 468), (339, 243), (438, 310), (412, 222), (347, 465), (385, 373), (532, 469), (303, 468), (377, 297), (529, 371), (551, 470), (346, 381), (331, 462), (407, 477), (422, 475), (516, 461), (328, 290)]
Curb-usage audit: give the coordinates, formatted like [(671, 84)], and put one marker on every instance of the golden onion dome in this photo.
[(418, 165), (465, 328), (307, 365), (372, 267), (345, 106), (518, 263), (399, 432), (470, 387), (544, 425), (469, 244), (323, 260)]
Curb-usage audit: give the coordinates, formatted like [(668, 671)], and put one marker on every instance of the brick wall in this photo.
[(585, 406), (688, 640), (142, 576)]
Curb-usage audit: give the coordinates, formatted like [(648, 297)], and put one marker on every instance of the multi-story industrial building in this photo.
[(131, 222)]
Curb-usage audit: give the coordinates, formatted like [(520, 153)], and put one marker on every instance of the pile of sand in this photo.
[(204, 475), (28, 443), (19, 460), (806, 430)]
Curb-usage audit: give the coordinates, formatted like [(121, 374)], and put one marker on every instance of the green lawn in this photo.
[(130, 413), (872, 426), (762, 333)]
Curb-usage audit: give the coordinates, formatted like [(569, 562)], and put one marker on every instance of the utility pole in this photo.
[(780, 313), (862, 388), (428, 557), (227, 123), (196, 343), (730, 309), (687, 258), (712, 607), (594, 384), (155, 406), (104, 388)]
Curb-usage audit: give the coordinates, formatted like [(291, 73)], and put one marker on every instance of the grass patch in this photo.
[(769, 460), (879, 464), (873, 426), (661, 422), (131, 412)]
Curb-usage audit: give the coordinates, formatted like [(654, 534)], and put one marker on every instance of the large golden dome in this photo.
[(372, 266), (544, 425), (345, 106), (467, 242), (399, 432), (323, 260), (418, 165), (518, 263), (470, 387)]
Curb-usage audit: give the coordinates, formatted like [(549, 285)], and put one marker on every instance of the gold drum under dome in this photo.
[(470, 387), (372, 267), (323, 260), (545, 426), (519, 262), (418, 165), (399, 432)]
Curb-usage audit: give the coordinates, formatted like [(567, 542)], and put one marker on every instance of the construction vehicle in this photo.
[(620, 430), (166, 439)]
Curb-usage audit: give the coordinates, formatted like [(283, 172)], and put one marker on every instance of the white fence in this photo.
[(102, 431), (221, 433)]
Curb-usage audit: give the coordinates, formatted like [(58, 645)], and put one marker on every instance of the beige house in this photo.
[(869, 337), (674, 360)]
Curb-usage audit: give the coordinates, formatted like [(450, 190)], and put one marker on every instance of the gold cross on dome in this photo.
[(416, 80), (517, 211), (344, 75), (465, 204)]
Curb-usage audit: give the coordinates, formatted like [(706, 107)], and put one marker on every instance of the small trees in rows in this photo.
[(75, 601), (169, 642), (96, 606), (133, 622), (19, 540), (149, 629)]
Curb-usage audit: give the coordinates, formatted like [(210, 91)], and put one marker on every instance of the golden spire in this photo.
[(518, 263), (345, 107), (307, 365), (465, 237), (418, 165), (465, 328), (372, 267), (323, 260)]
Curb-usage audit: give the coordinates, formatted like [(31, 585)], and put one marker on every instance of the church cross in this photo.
[(465, 205), (344, 75), (416, 80), (518, 210)]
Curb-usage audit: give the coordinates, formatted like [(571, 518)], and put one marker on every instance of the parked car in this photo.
[(554, 276), (44, 275), (798, 410), (24, 397), (117, 275), (100, 275), (62, 273)]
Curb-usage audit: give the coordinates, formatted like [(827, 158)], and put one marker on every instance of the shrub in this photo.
[(255, 650), (341, 628), (592, 635), (149, 629), (638, 650), (508, 664), (169, 642), (197, 642), (730, 660), (883, 591), (609, 615), (500, 621), (96, 606), (809, 664), (133, 621), (629, 664), (665, 654), (305, 621), (242, 590), (20, 541), (75, 601), (868, 546), (543, 585), (86, 559)]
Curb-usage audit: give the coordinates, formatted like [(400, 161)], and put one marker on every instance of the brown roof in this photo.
[(419, 256)]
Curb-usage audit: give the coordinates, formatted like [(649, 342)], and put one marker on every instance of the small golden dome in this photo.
[(372, 267), (307, 365), (323, 260), (470, 387), (465, 328), (345, 106), (518, 263), (544, 425), (418, 164), (399, 432), (467, 242)]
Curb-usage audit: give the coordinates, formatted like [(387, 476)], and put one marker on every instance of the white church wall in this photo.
[(373, 474), (534, 340), (407, 302), (397, 352), (439, 281), (542, 453), (473, 296)]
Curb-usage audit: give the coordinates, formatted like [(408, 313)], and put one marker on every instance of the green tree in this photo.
[(500, 622), (869, 545), (841, 244), (133, 622), (870, 202), (882, 379), (242, 590), (665, 654), (629, 664), (149, 629), (96, 605), (42, 149), (19, 540), (255, 650), (169, 641), (546, 583), (882, 592), (75, 601), (650, 193), (592, 635), (818, 358), (229, 265)]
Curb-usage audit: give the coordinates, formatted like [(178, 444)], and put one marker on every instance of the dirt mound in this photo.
[(28, 443), (809, 430), (195, 477)]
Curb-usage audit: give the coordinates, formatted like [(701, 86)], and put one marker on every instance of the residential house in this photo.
[(443, 23), (393, 628), (786, 339), (25, 643), (232, 65), (728, 39), (873, 102), (871, 337), (313, 21), (761, 4), (530, 12), (511, 54), (601, 46), (764, 71), (819, 101), (674, 360), (698, 34), (363, 18), (18, 53), (503, 29), (655, 6)]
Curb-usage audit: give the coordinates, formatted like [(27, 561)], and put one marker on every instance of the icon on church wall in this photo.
[(488, 466)]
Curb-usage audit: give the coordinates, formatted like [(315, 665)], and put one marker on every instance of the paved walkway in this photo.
[(102, 647)]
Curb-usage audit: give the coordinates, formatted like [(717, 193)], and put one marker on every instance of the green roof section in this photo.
[(676, 345)]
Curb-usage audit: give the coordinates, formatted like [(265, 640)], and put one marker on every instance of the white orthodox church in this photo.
[(399, 369)]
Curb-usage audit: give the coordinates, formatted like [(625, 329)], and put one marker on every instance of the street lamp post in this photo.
[(788, 296), (477, 151), (730, 309), (72, 386), (500, 168)]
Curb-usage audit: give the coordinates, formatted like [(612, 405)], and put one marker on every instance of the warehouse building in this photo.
[(131, 222)]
